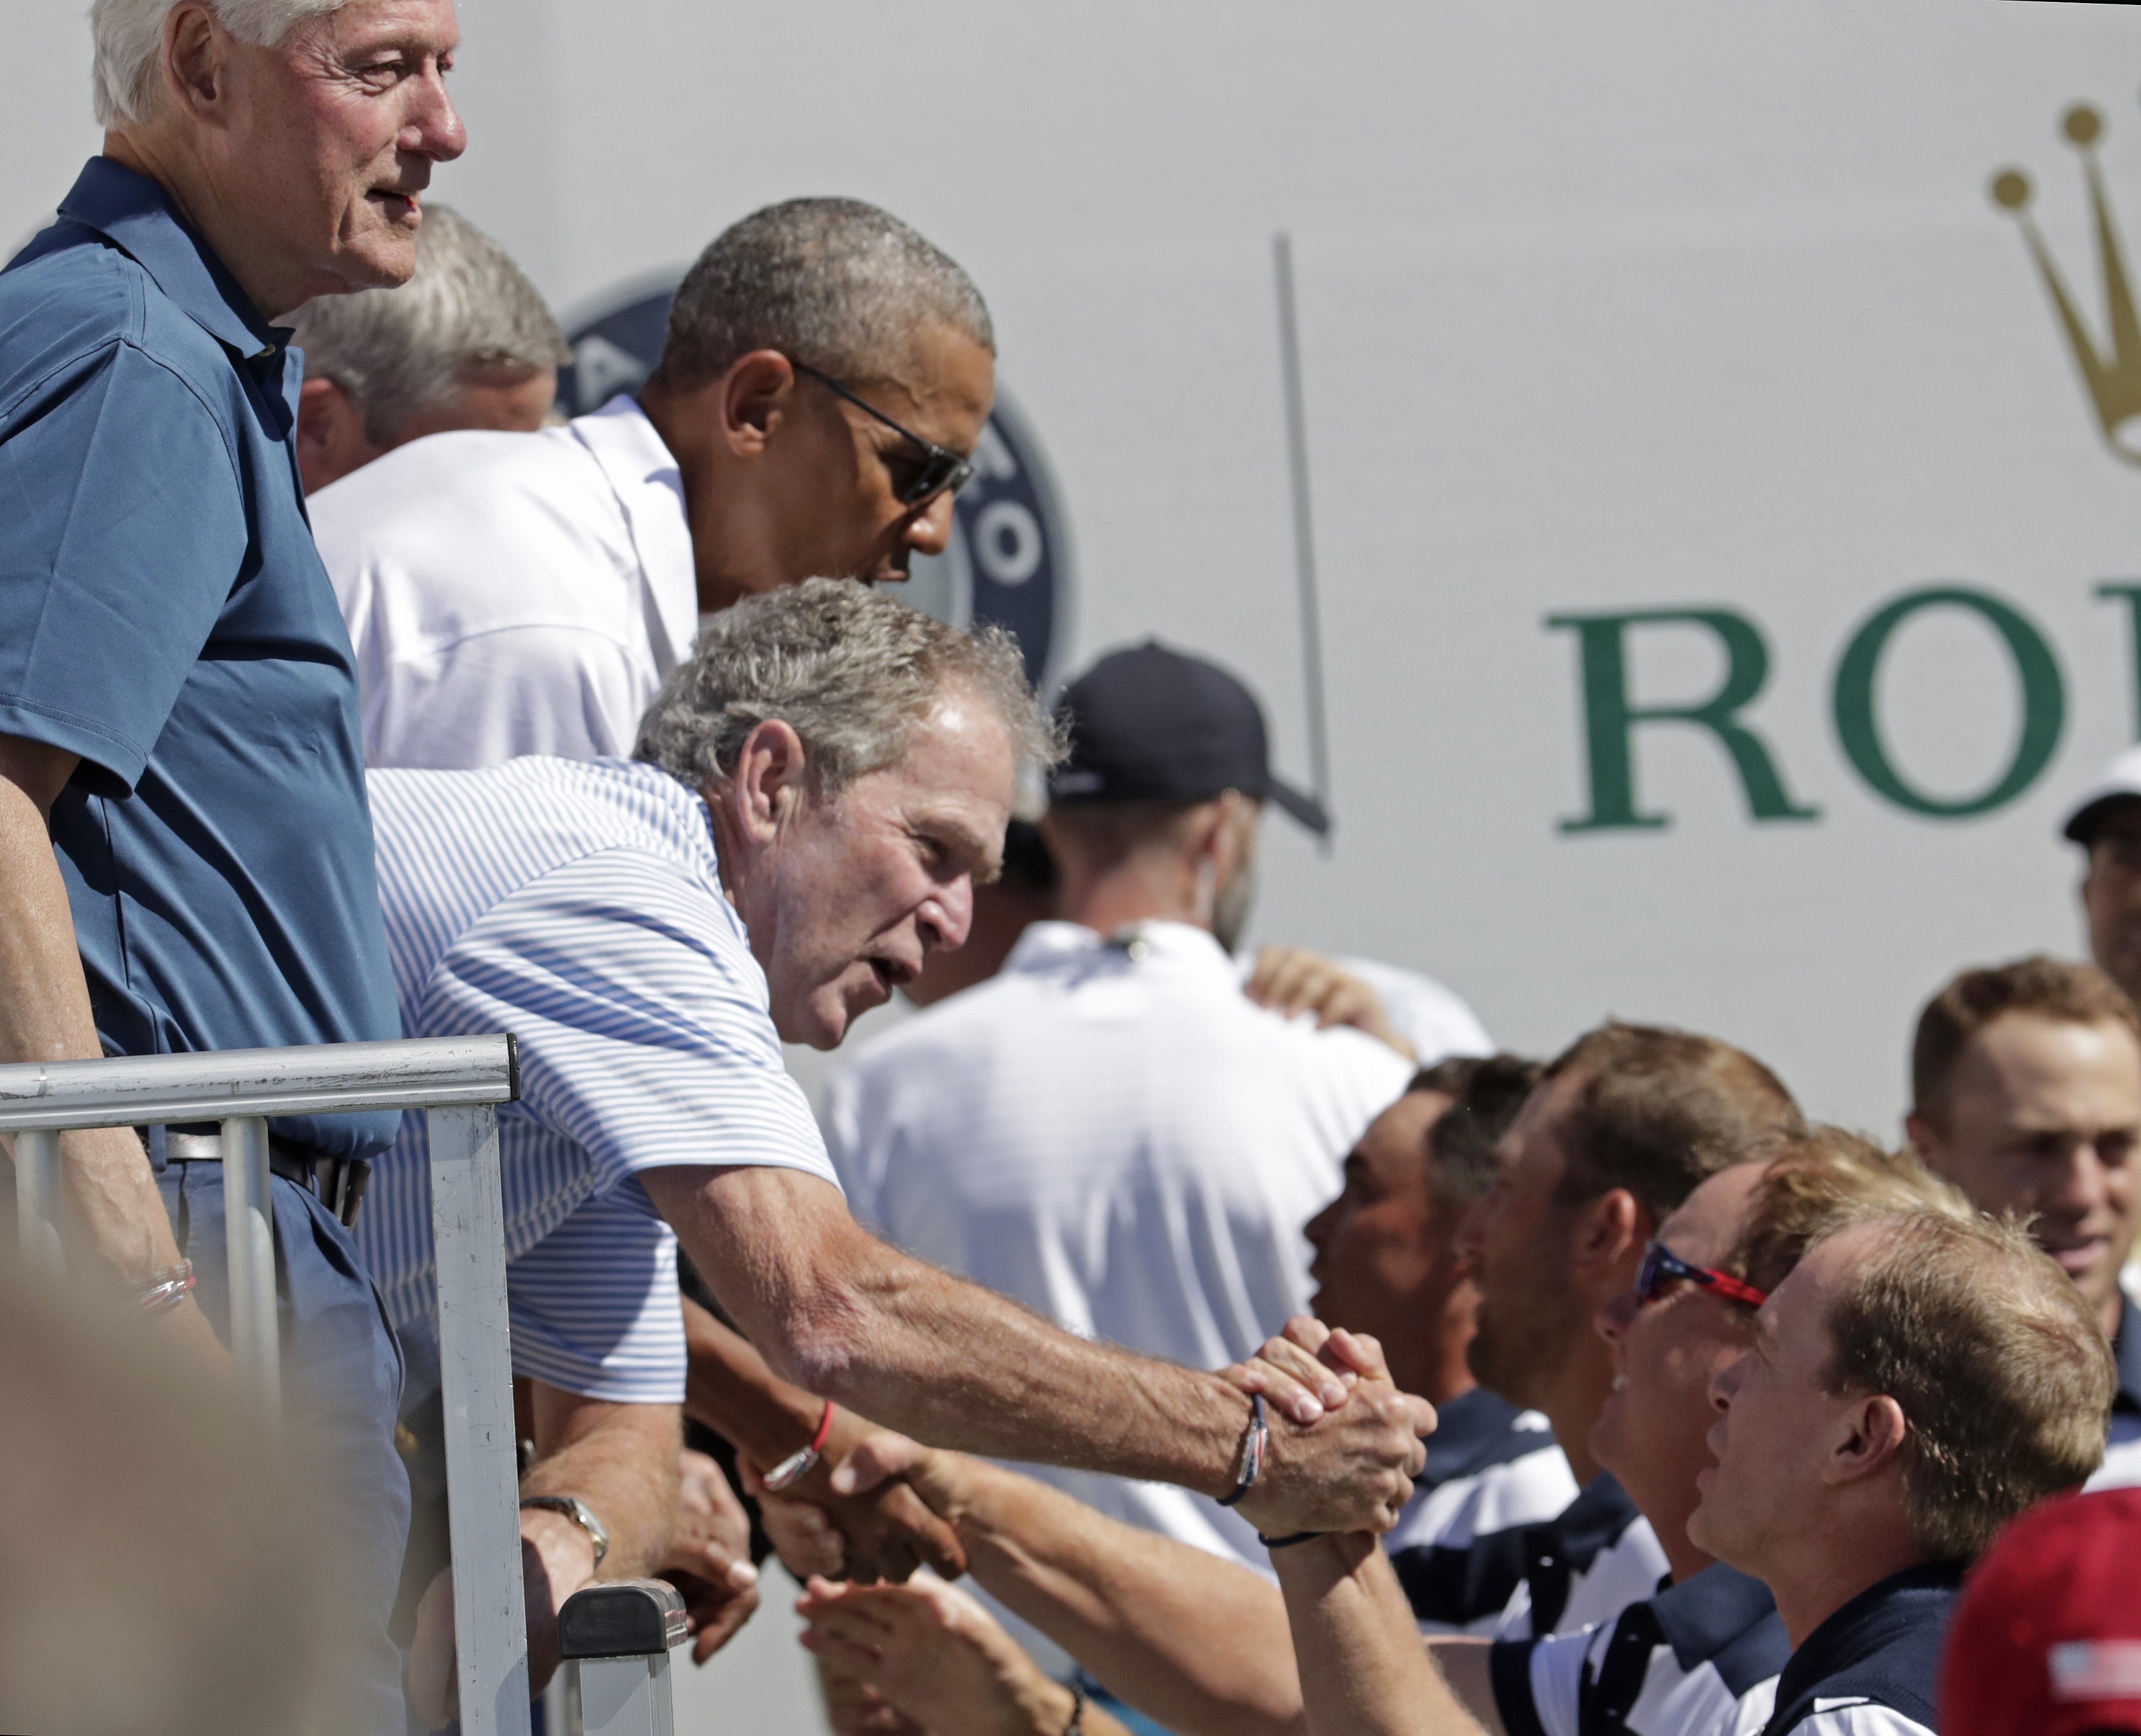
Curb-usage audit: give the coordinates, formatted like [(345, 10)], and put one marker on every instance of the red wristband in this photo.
[(797, 1464)]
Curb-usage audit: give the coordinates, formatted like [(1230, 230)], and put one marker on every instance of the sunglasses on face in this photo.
[(1661, 1265), (942, 468)]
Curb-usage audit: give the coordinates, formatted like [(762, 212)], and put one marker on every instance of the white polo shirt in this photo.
[(1117, 1137), (512, 593)]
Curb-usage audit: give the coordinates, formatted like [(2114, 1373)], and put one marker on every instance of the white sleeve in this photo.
[(1556, 1670)]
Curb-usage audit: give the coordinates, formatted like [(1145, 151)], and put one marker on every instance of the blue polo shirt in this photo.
[(165, 614)]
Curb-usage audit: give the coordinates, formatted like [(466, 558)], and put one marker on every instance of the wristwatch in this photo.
[(579, 1512)]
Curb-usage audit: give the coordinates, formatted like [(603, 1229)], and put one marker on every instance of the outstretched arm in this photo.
[(837, 1312), (1199, 1643)]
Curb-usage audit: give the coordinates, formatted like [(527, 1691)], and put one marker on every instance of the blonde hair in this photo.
[(1998, 1364)]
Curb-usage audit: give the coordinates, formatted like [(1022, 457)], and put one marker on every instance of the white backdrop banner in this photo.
[(1723, 426)]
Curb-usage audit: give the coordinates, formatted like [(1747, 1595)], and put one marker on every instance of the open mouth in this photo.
[(398, 206), (891, 973)]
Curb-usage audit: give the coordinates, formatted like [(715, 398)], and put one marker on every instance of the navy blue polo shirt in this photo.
[(165, 615)]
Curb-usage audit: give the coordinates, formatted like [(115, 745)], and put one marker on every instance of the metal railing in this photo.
[(458, 1082)]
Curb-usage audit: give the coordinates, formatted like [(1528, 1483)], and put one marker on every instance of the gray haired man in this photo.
[(468, 342), (185, 859), (818, 790), (826, 373)]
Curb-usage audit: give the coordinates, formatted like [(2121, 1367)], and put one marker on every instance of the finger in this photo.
[(1357, 1354), (1421, 1418), (717, 1633), (1289, 1397), (844, 1655), (883, 1455), (923, 1535), (1285, 1357), (857, 1624), (1306, 1331), (1247, 1378)]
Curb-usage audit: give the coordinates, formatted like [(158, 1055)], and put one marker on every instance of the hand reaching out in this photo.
[(1292, 981), (709, 1560), (931, 1652)]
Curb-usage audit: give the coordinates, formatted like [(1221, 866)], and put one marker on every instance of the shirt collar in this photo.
[(1904, 1616), (1050, 945), (644, 474), (2126, 1350), (1701, 1618), (137, 216)]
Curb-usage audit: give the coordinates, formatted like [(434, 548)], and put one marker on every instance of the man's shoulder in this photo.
[(535, 503), (66, 302), (530, 816)]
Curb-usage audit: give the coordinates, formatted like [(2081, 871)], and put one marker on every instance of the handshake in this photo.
[(1343, 1444), (1340, 1446)]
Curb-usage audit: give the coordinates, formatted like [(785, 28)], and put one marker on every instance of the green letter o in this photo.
[(2044, 702)]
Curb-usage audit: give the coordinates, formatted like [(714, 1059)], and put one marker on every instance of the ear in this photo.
[(332, 441), (195, 58), (770, 783), (1869, 1436), (1609, 1235), (1919, 1131), (755, 394)]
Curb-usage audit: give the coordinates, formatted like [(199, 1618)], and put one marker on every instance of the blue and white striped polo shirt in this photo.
[(579, 906)]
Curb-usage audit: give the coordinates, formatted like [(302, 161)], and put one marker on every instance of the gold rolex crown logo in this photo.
[(2114, 380)]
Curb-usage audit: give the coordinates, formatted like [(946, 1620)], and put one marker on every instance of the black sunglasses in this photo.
[(942, 468), (1661, 1265)]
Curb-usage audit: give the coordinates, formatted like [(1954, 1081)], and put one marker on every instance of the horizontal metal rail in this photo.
[(459, 1082), (336, 1078)]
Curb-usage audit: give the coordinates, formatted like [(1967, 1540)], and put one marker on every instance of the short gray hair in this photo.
[(399, 351), (851, 671), (833, 284), (129, 39)]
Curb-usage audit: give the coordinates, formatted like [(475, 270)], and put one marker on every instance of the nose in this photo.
[(947, 917), (434, 128), (2080, 1186), (1318, 1229), (1472, 1233), (929, 531), (1726, 1382), (1610, 1319)]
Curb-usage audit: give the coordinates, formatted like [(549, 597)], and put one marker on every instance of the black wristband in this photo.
[(1255, 1440), (1076, 1726), (1287, 1541)]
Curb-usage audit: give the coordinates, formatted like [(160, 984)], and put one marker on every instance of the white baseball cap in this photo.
[(2121, 781)]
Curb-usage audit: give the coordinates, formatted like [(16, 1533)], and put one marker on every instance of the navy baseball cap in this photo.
[(1150, 724)]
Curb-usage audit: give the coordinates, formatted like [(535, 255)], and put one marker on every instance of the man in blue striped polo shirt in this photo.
[(817, 790)]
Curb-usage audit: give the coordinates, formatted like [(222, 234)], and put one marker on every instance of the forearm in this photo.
[(622, 1461), (731, 1390), (114, 1209), (1199, 1643), (838, 1312), (1364, 1671)]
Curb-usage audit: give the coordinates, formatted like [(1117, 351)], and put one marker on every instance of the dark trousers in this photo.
[(341, 1384)]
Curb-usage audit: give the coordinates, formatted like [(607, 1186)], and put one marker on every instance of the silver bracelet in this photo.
[(167, 1289)]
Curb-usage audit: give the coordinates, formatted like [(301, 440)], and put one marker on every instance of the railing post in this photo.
[(38, 1201), (476, 1370), (248, 1228), (620, 1633)]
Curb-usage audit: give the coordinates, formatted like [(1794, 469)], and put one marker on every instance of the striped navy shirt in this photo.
[(1873, 1668), (579, 906), (1459, 1547), (1697, 1659)]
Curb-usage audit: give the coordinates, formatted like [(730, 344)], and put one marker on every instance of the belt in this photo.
[(338, 1183)]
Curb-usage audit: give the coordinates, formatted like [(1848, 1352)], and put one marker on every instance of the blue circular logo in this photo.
[(1009, 558)]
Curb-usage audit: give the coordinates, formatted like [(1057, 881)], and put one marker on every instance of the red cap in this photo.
[(2046, 1638)]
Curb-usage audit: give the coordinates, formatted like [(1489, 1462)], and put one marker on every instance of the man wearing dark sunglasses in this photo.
[(821, 394)]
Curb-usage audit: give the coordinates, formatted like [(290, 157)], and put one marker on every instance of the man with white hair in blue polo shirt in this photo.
[(817, 790)]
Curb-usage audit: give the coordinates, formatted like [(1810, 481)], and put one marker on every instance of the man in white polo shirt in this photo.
[(1109, 1130), (819, 788), (826, 374)]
